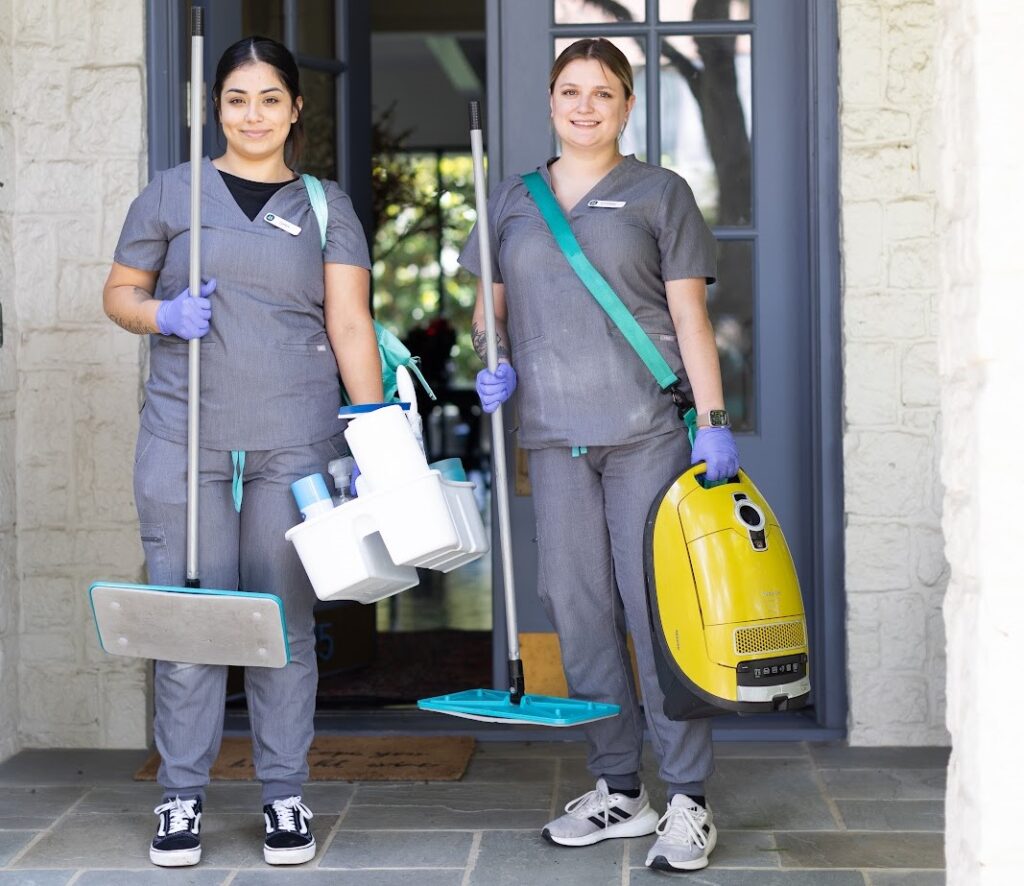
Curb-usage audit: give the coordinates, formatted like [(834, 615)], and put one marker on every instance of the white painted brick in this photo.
[(887, 474), (872, 125), (8, 584), (33, 24), (913, 264), (7, 473), (104, 345), (930, 557), (44, 418), (94, 92), (48, 186), (80, 288), (863, 264), (877, 556), (117, 32), (892, 699), (35, 274), (54, 698), (861, 69), (884, 172), (126, 717), (50, 602), (872, 383), (47, 649), (886, 315), (910, 78), (909, 219), (903, 626), (921, 375), (78, 236)]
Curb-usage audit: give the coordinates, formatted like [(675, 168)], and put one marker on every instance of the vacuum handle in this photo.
[(194, 285)]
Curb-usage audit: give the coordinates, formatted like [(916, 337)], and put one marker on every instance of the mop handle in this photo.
[(194, 285), (497, 423)]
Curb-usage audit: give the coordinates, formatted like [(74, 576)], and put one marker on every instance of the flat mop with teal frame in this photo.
[(493, 705), (191, 624)]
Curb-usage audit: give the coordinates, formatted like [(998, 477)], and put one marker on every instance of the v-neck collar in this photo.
[(223, 192), (545, 171)]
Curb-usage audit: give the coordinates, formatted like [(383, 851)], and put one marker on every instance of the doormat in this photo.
[(344, 758)]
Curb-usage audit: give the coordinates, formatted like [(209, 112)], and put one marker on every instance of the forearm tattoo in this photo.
[(130, 323), (480, 344)]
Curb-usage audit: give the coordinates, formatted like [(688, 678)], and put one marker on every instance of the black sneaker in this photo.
[(289, 839), (176, 844)]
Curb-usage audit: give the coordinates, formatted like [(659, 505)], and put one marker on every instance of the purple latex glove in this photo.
[(494, 388), (717, 448), (185, 316), (355, 476)]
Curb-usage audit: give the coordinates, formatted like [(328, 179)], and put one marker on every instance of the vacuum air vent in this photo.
[(769, 638)]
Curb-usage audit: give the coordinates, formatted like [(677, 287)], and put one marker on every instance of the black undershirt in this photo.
[(249, 195)]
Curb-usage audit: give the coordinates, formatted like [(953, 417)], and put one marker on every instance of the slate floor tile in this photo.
[(735, 849), (152, 876), (35, 808), (840, 756), (860, 849), (546, 750), (892, 815), (759, 749), (714, 876), (496, 770), (114, 840), (514, 859), (765, 795), (73, 767), (907, 878), (885, 784), (448, 806), (35, 878), (404, 877), (394, 849), (12, 842)]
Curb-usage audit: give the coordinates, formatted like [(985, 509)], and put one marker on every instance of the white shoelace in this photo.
[(593, 801), (682, 823), (284, 811), (182, 814)]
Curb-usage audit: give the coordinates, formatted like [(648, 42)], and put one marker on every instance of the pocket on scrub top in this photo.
[(314, 347)]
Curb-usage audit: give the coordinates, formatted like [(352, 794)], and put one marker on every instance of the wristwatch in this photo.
[(716, 418)]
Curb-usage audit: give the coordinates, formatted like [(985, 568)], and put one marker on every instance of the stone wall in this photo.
[(8, 395), (78, 129), (895, 568), (982, 363)]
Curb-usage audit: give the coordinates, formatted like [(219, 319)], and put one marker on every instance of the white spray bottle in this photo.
[(407, 394)]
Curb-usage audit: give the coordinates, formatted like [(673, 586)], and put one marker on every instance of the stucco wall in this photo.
[(8, 389), (982, 362), (77, 123), (896, 573)]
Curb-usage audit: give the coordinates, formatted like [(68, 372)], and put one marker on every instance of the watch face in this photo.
[(718, 418)]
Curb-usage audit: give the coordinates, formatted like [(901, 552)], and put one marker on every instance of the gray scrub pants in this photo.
[(244, 550), (591, 512)]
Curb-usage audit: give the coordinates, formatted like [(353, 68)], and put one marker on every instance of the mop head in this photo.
[(197, 626), (495, 706)]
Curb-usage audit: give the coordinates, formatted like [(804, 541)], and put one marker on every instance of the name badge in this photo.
[(283, 224), (606, 204)]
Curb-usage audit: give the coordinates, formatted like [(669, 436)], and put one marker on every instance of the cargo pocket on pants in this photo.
[(154, 546)]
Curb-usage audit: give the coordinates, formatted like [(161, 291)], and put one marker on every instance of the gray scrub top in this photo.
[(269, 378), (580, 382)]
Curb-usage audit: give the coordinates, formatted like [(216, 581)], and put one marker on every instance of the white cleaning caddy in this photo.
[(406, 515)]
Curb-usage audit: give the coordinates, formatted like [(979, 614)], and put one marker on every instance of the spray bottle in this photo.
[(341, 470)]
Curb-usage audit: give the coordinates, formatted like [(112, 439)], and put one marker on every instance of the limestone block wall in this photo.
[(896, 572), (8, 396), (77, 128), (982, 363)]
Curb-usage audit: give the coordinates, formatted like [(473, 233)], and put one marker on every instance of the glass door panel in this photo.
[(585, 12), (703, 10)]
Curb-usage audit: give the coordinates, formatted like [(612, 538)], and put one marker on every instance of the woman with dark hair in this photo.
[(282, 323), (602, 438)]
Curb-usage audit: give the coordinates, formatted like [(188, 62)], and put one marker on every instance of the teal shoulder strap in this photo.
[(318, 200), (598, 286)]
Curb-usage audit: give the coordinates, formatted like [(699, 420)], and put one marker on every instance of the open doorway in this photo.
[(422, 65)]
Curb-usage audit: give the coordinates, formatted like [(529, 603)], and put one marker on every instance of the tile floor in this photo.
[(789, 814)]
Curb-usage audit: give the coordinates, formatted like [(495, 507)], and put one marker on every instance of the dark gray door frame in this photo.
[(521, 112)]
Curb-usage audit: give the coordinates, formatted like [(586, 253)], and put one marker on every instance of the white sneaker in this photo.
[(686, 836), (598, 815)]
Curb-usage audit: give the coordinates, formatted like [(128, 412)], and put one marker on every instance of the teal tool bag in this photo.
[(607, 298), (392, 352)]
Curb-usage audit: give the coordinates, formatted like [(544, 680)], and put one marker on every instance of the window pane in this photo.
[(264, 17), (731, 305), (319, 118), (316, 28), (705, 121), (634, 139), (578, 12), (703, 10)]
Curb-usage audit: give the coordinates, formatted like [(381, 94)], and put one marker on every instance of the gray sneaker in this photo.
[(686, 836), (599, 815)]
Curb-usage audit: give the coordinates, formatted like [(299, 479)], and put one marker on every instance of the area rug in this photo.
[(344, 758)]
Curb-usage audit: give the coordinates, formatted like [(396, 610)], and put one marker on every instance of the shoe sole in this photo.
[(176, 858), (660, 863), (289, 856), (638, 826)]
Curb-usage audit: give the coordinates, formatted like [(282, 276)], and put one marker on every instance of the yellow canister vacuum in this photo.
[(724, 598)]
